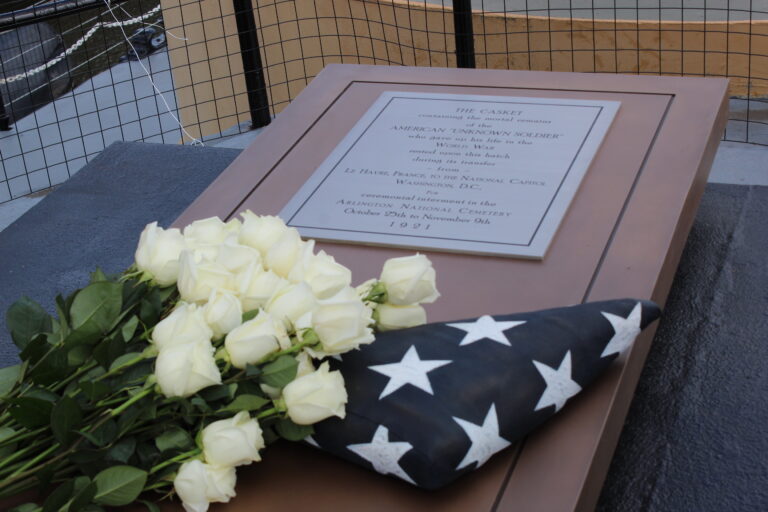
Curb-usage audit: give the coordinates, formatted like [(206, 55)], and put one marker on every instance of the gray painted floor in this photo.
[(48, 146)]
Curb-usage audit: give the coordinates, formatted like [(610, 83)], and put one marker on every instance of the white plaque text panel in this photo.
[(471, 173)]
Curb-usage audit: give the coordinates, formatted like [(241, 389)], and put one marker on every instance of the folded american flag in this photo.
[(430, 403)]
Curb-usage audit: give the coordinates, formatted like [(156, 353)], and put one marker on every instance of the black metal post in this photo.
[(5, 121), (255, 85), (464, 33)]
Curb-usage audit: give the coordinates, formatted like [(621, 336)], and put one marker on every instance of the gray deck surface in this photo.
[(695, 435)]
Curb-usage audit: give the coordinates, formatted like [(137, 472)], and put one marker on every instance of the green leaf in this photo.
[(52, 368), (119, 485), (174, 439), (94, 391), (147, 454), (77, 355), (5, 434), (122, 450), (151, 307), (103, 435), (132, 414), (201, 405), (279, 372), (123, 359), (222, 391), (291, 431), (133, 292), (82, 496), (250, 315), (251, 370), (129, 328), (62, 309), (59, 497), (31, 412), (66, 416), (25, 319), (96, 307), (245, 403), (26, 507), (107, 351), (35, 349), (270, 436), (8, 378), (98, 275)]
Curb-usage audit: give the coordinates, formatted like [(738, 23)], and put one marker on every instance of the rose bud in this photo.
[(409, 280), (342, 326), (286, 251), (233, 442), (316, 396), (210, 231), (261, 232), (198, 278), (235, 257), (322, 273), (183, 370), (291, 302), (186, 324), (198, 484), (256, 286), (390, 317), (222, 312), (158, 253), (256, 339)]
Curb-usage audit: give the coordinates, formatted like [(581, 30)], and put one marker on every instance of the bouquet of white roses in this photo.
[(167, 377)]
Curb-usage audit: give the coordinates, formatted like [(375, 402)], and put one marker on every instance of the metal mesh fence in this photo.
[(76, 75)]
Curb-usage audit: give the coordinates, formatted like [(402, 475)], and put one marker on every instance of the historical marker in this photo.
[(469, 173)]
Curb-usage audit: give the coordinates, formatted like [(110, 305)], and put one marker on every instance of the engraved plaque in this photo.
[(467, 173)]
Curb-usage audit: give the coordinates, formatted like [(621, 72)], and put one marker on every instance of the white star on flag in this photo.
[(485, 439), (410, 370), (485, 327), (383, 454), (626, 330), (560, 386)]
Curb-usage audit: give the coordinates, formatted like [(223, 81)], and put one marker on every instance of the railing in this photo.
[(231, 65)]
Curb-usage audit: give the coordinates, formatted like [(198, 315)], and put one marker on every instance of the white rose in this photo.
[(261, 232), (233, 442), (222, 312), (183, 370), (198, 484), (286, 252), (256, 286), (256, 339), (305, 364), (322, 273), (409, 280), (316, 396), (210, 231), (390, 316), (197, 279), (186, 324), (342, 326), (158, 253), (291, 302), (235, 257)]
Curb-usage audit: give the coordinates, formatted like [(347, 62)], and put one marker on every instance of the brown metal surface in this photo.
[(622, 236)]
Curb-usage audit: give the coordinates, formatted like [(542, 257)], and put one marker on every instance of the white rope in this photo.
[(194, 140), (63, 55)]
